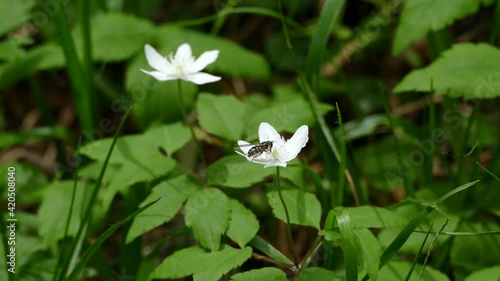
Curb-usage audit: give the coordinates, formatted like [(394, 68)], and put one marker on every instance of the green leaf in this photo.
[(467, 70), (243, 225), (172, 194), (207, 212), (221, 115), (249, 64), (116, 37), (491, 273), (348, 241), (317, 273), (39, 58), (266, 273), (35, 134), (396, 271), (236, 171), (14, 14), (468, 253), (140, 148), (371, 249), (30, 187), (421, 16), (204, 265), (368, 217), (303, 208), (52, 226)]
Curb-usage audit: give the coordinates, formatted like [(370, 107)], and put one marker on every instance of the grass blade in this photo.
[(90, 251), (75, 71), (317, 49), (349, 244)]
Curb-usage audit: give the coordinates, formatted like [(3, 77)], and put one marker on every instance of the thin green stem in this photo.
[(184, 116), (277, 186)]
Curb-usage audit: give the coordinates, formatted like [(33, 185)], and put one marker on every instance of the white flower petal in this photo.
[(183, 52), (295, 144), (155, 60), (205, 59), (201, 78), (160, 76), (244, 146), (268, 133)]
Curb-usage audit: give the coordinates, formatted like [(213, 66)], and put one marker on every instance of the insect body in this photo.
[(260, 148)]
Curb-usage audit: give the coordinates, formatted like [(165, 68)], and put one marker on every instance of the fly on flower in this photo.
[(273, 149), (257, 149)]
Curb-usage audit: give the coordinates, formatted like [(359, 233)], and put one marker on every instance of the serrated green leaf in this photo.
[(396, 271), (421, 16), (236, 171), (243, 225), (491, 273), (208, 266), (140, 148), (172, 194), (115, 36), (368, 216), (371, 249), (250, 64), (14, 14), (207, 212), (221, 115), (317, 273), (266, 273), (303, 208), (466, 70)]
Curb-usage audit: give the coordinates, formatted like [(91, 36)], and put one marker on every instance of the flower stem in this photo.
[(184, 116), (277, 181)]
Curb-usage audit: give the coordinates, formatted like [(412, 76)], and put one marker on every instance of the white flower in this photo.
[(282, 151), (181, 66)]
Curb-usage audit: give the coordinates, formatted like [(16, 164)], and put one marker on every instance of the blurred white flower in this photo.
[(281, 152), (182, 65)]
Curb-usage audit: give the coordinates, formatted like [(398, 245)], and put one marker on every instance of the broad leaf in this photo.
[(39, 58), (204, 265), (466, 70), (266, 273), (15, 13), (421, 16), (303, 208), (396, 271), (140, 148), (221, 115), (468, 253), (368, 217), (371, 249), (172, 194), (243, 225), (316, 274), (249, 64), (491, 273), (237, 172), (116, 36), (207, 213)]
